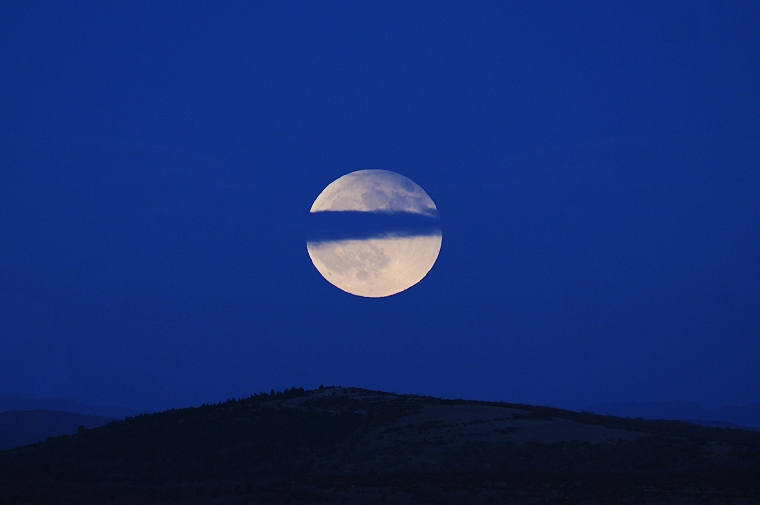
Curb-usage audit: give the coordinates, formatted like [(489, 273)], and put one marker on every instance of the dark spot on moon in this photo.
[(408, 185)]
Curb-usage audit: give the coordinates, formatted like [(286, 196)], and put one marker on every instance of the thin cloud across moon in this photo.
[(373, 233)]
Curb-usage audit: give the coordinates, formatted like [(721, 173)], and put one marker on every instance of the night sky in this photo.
[(596, 166)]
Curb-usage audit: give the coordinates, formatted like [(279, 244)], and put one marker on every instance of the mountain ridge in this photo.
[(736, 416), (10, 402), (23, 427), (351, 445)]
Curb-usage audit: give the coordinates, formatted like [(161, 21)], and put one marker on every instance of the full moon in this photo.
[(386, 259)]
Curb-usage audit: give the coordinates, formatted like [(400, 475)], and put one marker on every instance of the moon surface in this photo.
[(379, 266)]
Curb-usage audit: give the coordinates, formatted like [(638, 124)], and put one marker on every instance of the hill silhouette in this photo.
[(14, 403), (739, 416), (21, 427), (350, 445)]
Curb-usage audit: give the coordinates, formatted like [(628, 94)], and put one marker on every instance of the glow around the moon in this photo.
[(377, 266)]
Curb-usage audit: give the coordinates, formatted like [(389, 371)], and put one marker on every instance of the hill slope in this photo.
[(744, 416), (23, 427), (12, 402), (348, 445)]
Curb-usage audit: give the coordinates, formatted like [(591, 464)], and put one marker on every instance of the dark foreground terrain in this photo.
[(353, 446)]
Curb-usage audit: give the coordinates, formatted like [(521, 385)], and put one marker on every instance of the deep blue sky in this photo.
[(596, 167)]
